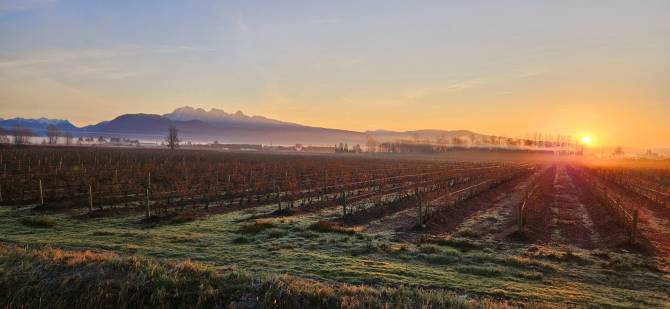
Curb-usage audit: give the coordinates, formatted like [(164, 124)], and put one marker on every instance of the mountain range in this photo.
[(199, 125)]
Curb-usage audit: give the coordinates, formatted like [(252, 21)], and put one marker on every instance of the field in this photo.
[(137, 227)]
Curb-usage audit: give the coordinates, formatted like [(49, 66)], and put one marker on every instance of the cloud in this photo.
[(102, 63), (443, 89), (530, 74), (7, 6), (62, 56)]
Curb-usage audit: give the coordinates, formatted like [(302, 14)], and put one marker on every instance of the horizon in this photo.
[(572, 68)]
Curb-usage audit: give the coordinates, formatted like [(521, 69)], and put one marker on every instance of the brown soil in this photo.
[(654, 219), (496, 207)]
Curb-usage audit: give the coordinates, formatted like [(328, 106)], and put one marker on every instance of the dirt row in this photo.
[(565, 211), (561, 211), (654, 219)]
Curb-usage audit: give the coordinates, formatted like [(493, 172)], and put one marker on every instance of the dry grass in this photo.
[(256, 227), (332, 227), (55, 278)]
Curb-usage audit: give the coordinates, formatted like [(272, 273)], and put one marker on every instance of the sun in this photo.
[(586, 140)]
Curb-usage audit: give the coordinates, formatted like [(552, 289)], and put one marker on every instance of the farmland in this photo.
[(463, 229)]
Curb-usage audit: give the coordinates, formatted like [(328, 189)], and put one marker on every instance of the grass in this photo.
[(107, 280), (242, 240), (38, 221), (256, 227), (460, 243), (331, 227), (429, 249), (269, 248), (488, 271)]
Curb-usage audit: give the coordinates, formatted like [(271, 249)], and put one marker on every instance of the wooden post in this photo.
[(90, 198), (633, 229), (418, 199), (148, 208), (41, 194), (344, 204), (278, 196), (520, 218)]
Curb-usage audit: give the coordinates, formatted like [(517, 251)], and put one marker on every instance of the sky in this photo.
[(512, 68)]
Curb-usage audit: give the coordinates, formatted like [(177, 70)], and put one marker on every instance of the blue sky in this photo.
[(499, 67)]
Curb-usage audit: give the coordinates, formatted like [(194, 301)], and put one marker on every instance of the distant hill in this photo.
[(38, 126), (199, 125), (223, 119)]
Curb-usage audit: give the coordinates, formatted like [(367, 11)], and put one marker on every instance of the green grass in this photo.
[(107, 280), (274, 247), (38, 221)]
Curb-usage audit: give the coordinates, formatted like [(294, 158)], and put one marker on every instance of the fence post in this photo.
[(41, 194), (90, 199), (344, 204), (418, 199), (520, 218), (148, 207), (633, 231), (278, 197)]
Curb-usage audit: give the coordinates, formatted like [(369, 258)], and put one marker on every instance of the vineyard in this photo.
[(162, 183), (519, 231)]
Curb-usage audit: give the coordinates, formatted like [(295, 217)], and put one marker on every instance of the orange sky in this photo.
[(570, 68)]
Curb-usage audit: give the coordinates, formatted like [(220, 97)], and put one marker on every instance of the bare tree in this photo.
[(21, 135), (3, 136), (172, 138), (371, 144), (68, 138), (53, 132)]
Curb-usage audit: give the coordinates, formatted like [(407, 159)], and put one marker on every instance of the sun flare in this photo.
[(586, 140)]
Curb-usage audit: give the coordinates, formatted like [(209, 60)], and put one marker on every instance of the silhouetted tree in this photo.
[(371, 144), (3, 136), (53, 132), (618, 151), (21, 135), (68, 138), (172, 138)]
